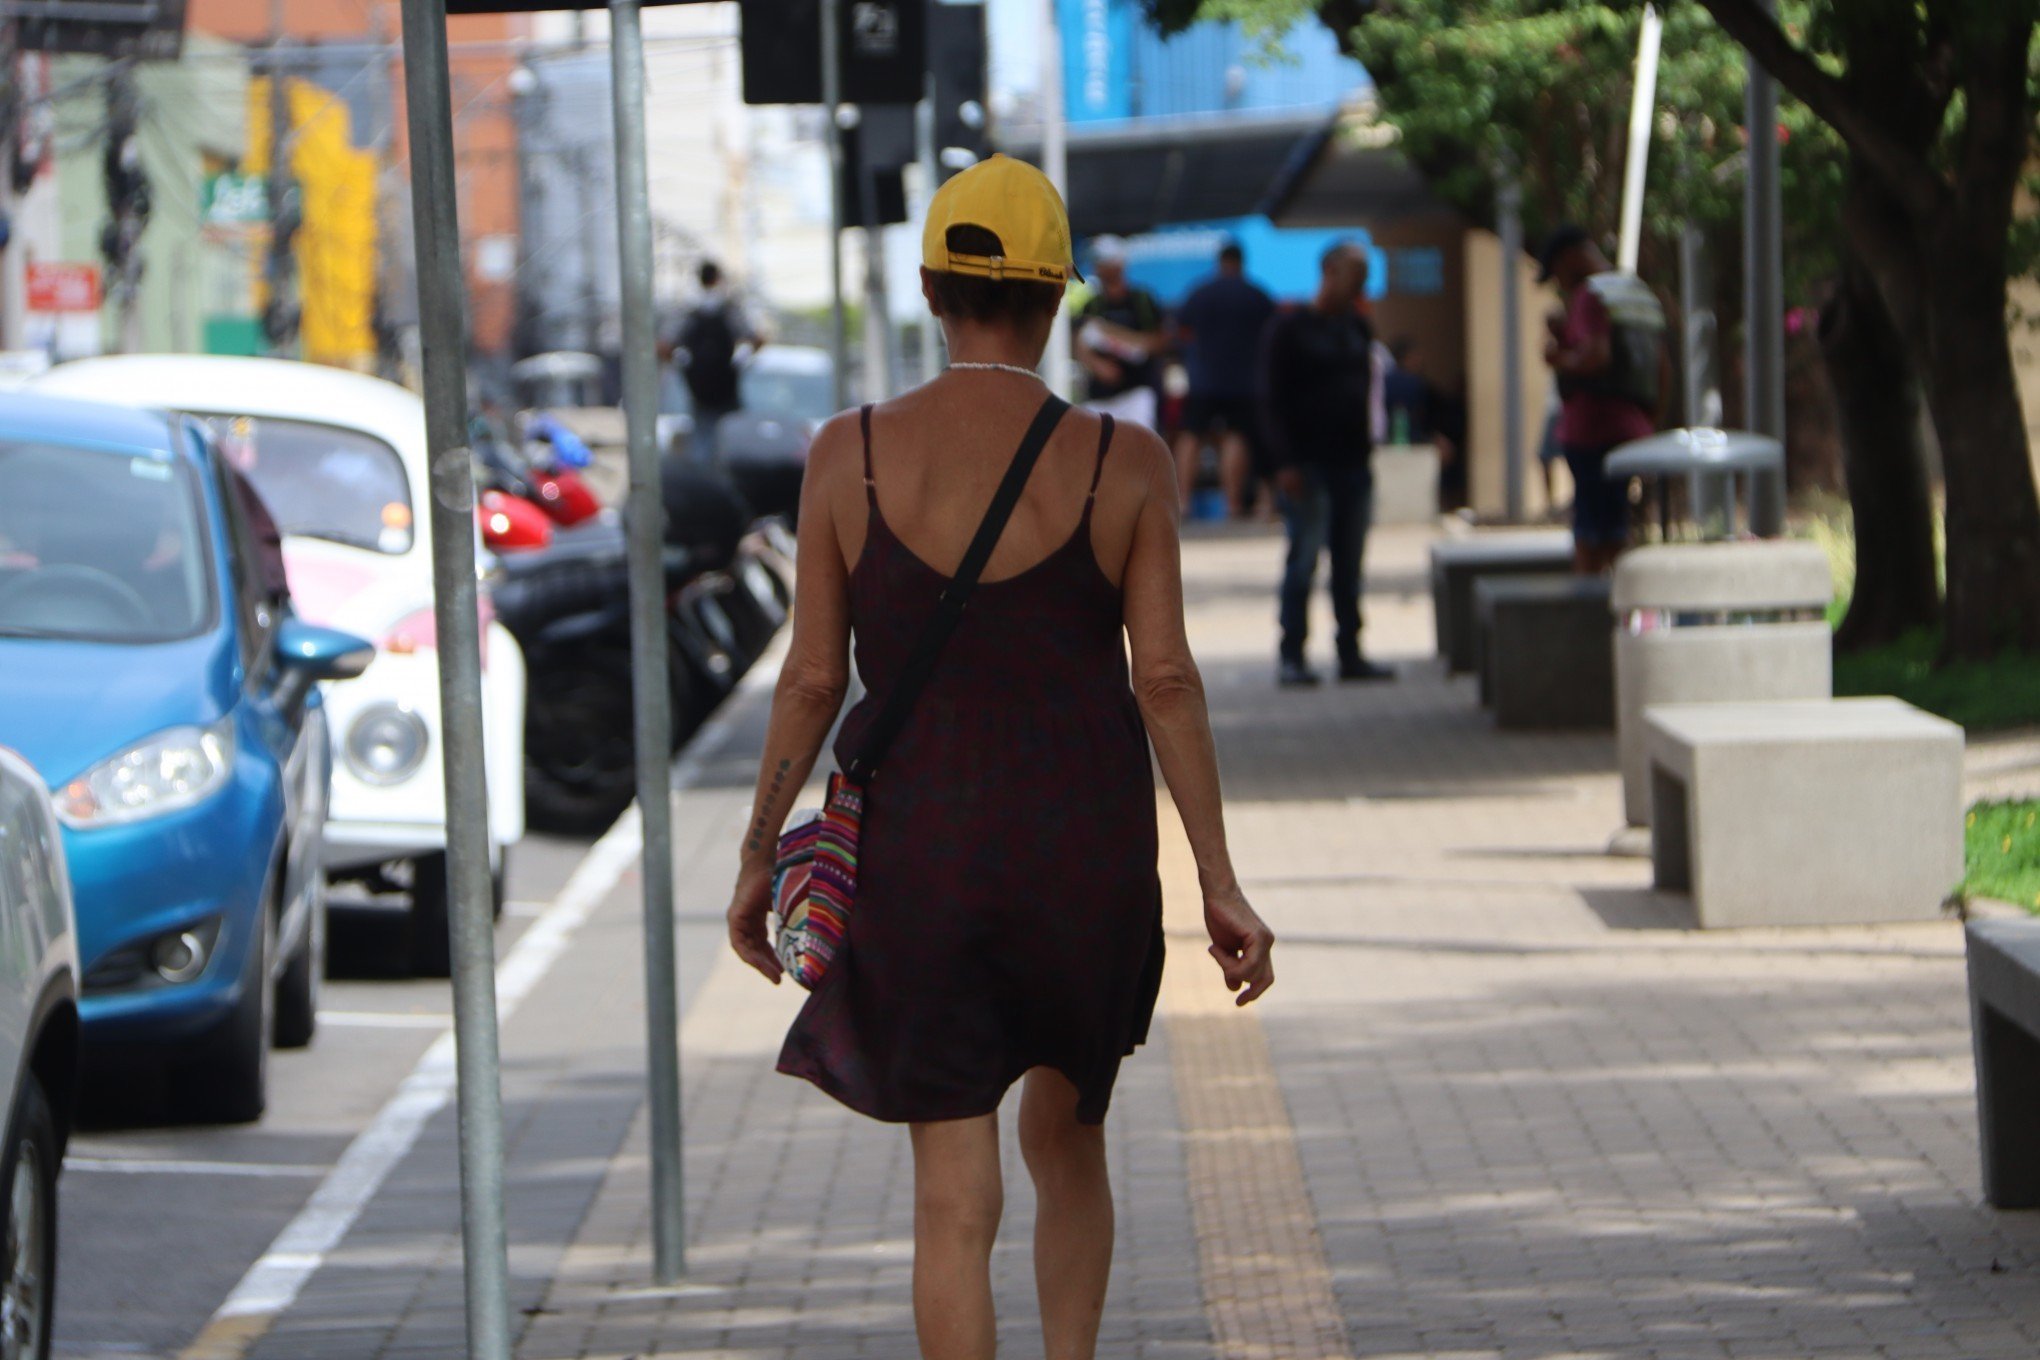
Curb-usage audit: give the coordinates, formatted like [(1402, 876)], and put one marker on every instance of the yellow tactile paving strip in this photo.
[(1267, 1289)]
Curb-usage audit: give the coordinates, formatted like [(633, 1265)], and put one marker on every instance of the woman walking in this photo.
[(1007, 916)]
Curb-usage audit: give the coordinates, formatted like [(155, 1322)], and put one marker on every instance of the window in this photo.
[(321, 481), (102, 544)]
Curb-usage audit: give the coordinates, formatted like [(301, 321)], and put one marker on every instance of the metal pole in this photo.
[(924, 136), (646, 522), (1055, 163), (1763, 293), (1509, 203), (832, 98), (443, 330), (14, 263), (1642, 104), (878, 369), (277, 266)]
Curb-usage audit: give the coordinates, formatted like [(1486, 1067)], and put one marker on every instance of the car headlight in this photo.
[(385, 745), (173, 769)]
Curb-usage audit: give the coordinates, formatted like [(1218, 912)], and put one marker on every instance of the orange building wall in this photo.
[(484, 130)]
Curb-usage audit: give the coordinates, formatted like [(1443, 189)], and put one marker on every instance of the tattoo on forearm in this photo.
[(766, 807)]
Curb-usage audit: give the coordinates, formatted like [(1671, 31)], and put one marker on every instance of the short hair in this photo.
[(1339, 247), (1230, 253), (710, 273), (1402, 347), (968, 297)]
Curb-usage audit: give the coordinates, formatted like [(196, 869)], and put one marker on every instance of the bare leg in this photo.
[(1189, 454), (958, 1197), (1073, 1215), (1233, 470)]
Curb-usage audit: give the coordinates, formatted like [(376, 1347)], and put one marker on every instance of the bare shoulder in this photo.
[(1138, 461)]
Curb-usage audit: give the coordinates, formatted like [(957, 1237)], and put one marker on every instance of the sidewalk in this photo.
[(1502, 1101)]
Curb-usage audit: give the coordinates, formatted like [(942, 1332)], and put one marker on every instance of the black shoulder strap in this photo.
[(949, 606)]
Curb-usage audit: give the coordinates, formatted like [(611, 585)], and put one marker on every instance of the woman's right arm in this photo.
[(1170, 691), (812, 683)]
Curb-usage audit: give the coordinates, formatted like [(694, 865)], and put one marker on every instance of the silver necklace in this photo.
[(995, 368)]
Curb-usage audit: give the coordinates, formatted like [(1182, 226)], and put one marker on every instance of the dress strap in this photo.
[(870, 487), (1104, 446)]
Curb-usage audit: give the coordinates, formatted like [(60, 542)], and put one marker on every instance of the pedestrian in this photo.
[(1607, 352), (1119, 339), (1007, 913), (1218, 329), (1406, 394), (1317, 415), (713, 340)]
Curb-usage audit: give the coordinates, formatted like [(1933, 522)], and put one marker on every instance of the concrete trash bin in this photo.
[(1700, 623)]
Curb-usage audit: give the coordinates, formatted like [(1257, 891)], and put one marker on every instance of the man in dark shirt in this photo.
[(1317, 370), (1118, 334), (1219, 328)]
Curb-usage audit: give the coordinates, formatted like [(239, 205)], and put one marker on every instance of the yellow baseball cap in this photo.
[(1015, 202)]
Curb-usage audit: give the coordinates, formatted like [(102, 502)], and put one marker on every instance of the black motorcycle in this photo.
[(568, 606)]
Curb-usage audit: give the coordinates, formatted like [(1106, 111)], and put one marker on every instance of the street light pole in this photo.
[(1055, 163), (1509, 206), (832, 98), (646, 520), (443, 331), (1763, 292)]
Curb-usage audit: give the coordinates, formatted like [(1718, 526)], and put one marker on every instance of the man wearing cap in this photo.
[(1606, 351), (1118, 336), (1317, 405)]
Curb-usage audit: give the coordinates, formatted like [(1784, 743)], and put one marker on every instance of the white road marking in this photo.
[(386, 1019), (152, 1166), (273, 1282)]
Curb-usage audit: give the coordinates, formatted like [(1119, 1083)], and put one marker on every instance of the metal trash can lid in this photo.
[(1697, 450)]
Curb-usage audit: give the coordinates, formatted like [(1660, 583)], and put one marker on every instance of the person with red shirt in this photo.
[(1593, 417)]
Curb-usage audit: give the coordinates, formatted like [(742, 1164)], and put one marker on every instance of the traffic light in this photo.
[(883, 45), (956, 61)]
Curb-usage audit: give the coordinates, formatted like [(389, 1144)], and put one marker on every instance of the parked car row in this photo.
[(218, 651)]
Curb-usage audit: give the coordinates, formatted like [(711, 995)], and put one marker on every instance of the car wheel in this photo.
[(431, 947), (28, 1256), (297, 991), (580, 766), (229, 1077)]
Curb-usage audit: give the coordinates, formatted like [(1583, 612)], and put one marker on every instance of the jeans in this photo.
[(1332, 513)]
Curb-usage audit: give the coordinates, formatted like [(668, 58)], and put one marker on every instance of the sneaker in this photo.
[(1360, 668), (1294, 674)]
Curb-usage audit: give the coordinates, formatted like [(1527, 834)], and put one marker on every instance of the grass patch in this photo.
[(1980, 695), (2001, 852)]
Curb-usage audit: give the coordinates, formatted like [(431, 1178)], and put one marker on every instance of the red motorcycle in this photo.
[(532, 488)]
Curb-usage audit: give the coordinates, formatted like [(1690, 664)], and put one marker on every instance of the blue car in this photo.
[(151, 670)]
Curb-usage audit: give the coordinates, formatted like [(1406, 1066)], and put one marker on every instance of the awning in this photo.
[(1145, 173), (1349, 175)]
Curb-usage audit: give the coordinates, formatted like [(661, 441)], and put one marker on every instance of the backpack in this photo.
[(711, 368), (1635, 343)]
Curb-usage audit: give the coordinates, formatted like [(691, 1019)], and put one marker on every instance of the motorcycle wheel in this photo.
[(580, 771)]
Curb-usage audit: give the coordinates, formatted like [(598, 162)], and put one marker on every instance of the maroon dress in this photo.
[(1008, 912)]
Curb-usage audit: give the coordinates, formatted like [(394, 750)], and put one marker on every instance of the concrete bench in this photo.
[(1546, 653), (1405, 484), (1714, 623), (1456, 563), (1805, 812), (2004, 1010)]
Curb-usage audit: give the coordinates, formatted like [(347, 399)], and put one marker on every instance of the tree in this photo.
[(1935, 100)]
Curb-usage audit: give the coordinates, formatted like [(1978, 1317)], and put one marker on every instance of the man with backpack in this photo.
[(715, 334), (1608, 353)]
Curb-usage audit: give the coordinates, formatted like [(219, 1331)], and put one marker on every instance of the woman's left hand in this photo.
[(749, 907)]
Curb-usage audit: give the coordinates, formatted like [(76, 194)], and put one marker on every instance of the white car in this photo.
[(39, 1050), (341, 461)]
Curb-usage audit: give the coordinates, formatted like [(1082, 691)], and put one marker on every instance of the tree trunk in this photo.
[(1993, 506), (1878, 406)]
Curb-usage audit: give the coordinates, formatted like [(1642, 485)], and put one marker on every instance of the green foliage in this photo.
[(2001, 692), (2001, 852)]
